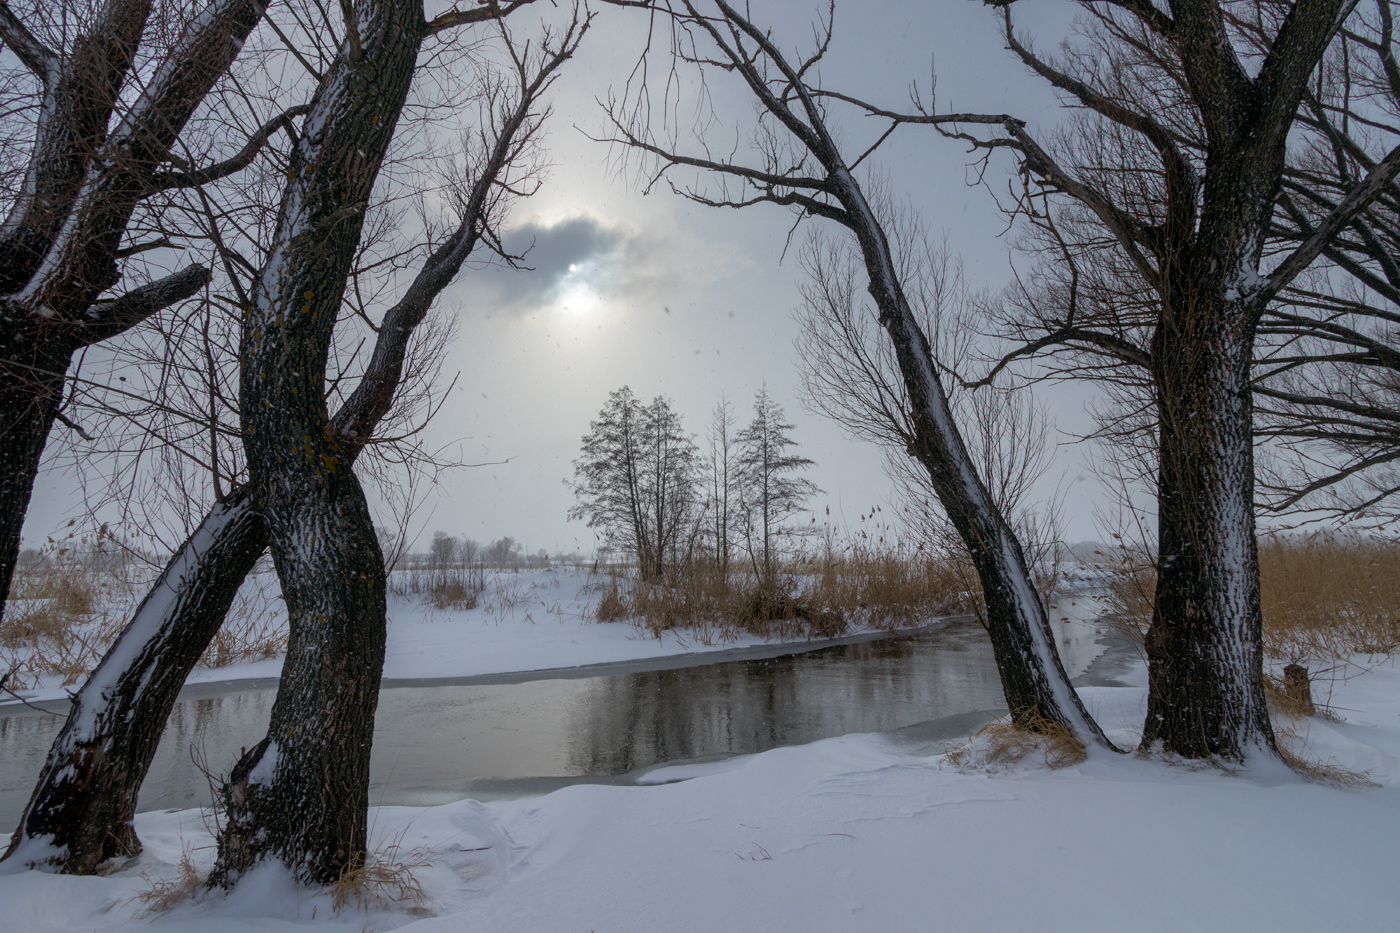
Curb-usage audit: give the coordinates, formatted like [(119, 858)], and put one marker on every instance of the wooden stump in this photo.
[(1297, 686)]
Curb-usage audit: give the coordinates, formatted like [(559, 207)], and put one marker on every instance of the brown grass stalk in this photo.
[(385, 880), (814, 598), (1004, 743)]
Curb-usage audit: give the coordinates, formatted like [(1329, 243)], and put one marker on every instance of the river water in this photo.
[(511, 735)]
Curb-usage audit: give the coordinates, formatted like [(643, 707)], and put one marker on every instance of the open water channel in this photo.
[(517, 734)]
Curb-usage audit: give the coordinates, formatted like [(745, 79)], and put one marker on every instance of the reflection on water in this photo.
[(748, 706), (438, 743)]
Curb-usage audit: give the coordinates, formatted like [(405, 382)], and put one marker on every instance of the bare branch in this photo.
[(161, 181), (1345, 212), (36, 56), (489, 9), (107, 318)]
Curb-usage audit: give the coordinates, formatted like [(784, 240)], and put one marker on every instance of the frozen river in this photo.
[(516, 734)]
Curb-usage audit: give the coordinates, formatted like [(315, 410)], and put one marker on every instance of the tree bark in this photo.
[(1205, 643), (302, 793), (31, 389)]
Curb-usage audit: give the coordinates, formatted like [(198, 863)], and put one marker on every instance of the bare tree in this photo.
[(502, 552), (1195, 126), (802, 166), (64, 245), (722, 483), (769, 494), (86, 796), (636, 480)]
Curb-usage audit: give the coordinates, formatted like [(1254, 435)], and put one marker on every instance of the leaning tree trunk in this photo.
[(80, 813), (1204, 646), (302, 793), (85, 799), (1035, 683), (1038, 691)]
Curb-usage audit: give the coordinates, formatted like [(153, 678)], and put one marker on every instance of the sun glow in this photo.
[(577, 296), (578, 299)]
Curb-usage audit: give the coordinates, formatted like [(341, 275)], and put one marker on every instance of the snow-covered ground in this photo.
[(853, 833), (861, 832)]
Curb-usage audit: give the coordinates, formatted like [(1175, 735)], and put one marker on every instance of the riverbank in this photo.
[(525, 623), (861, 832)]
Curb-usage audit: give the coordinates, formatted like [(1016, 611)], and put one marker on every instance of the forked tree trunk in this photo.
[(302, 794), (86, 796)]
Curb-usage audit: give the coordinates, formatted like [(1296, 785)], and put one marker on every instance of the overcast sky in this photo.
[(676, 299)]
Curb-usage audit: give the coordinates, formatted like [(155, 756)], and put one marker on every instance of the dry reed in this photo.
[(815, 598), (442, 584), (1324, 597)]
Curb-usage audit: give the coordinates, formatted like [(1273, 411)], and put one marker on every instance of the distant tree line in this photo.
[(652, 493), (445, 550)]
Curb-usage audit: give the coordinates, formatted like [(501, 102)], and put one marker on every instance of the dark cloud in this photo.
[(549, 252)]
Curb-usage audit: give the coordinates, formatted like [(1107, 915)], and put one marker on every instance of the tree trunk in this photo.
[(302, 794), (1037, 688), (80, 813), (106, 746), (1204, 646), (31, 389)]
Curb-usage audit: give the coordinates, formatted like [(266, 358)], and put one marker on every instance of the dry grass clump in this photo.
[(160, 896), (890, 589), (1004, 743), (808, 599), (612, 607), (1328, 597), (56, 619), (1130, 595), (1292, 747), (442, 585), (68, 605), (250, 637), (254, 629), (384, 881)]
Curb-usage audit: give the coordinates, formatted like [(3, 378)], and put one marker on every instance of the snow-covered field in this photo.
[(862, 832)]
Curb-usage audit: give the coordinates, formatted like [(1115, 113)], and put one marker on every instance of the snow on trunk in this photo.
[(309, 807), (80, 813), (1205, 645)]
